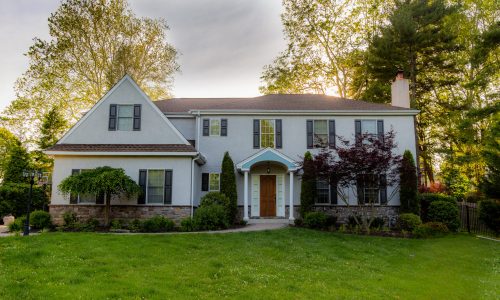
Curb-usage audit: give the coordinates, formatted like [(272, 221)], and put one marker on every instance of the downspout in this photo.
[(197, 147), (192, 186)]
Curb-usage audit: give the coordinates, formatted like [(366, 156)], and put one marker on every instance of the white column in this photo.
[(291, 218), (245, 196)]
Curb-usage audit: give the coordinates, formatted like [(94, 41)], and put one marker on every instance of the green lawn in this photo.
[(289, 263)]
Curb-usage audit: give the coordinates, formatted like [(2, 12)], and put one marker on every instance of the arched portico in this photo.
[(267, 185)]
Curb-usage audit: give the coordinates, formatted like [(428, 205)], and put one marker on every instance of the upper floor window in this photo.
[(214, 127), (124, 117), (320, 133), (368, 128), (267, 133)]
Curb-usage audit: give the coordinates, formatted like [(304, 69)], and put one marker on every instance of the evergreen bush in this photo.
[(316, 220), (489, 214), (40, 219), (408, 222), (427, 198), (308, 185), (14, 198), (211, 217), (17, 225), (446, 213), (228, 186), (408, 185)]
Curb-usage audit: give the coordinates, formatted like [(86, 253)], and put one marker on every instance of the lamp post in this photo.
[(31, 175)]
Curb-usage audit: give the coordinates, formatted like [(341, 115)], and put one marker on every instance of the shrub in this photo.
[(427, 198), (489, 214), (315, 220), (216, 198), (474, 197), (18, 224), (430, 229), (445, 212), (331, 221), (116, 224), (408, 222), (135, 226), (408, 184), (228, 185), (187, 224), (158, 224), (14, 197), (90, 225), (69, 218), (211, 217), (377, 223), (351, 222), (457, 183), (40, 219), (299, 222)]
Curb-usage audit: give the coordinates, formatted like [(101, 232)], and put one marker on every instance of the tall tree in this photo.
[(325, 39), (7, 142), (93, 44), (53, 127), (18, 160), (419, 41), (228, 184)]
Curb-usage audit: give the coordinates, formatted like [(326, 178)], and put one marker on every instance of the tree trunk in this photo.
[(107, 209)]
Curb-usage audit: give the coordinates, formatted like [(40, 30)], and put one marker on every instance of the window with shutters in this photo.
[(214, 182), (322, 192), (369, 127), (85, 198), (155, 186), (370, 189), (320, 133), (215, 127), (125, 117), (267, 134)]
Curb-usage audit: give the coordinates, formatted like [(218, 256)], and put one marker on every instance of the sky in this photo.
[(223, 44)]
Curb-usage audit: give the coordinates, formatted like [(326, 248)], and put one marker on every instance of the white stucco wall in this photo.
[(93, 128), (186, 126), (239, 142), (181, 180)]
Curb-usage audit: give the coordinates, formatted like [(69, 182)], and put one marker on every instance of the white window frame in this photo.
[(370, 121), (274, 132), (328, 199), (78, 198), (377, 188), (147, 187), (118, 117), (327, 133), (209, 182), (210, 126)]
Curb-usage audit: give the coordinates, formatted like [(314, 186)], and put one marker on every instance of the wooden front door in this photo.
[(268, 195)]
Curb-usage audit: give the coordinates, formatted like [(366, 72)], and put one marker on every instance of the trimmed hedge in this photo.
[(211, 217), (489, 214), (427, 198), (446, 213), (408, 222), (430, 229)]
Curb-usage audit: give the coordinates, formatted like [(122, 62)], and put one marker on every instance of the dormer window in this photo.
[(125, 117)]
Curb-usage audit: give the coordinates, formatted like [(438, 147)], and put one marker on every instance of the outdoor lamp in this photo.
[(31, 174)]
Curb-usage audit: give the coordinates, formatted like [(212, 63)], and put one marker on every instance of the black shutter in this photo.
[(142, 183), (380, 129), (168, 187), (360, 190), (256, 134), (73, 198), (333, 193), (206, 127), (137, 117), (99, 198), (383, 189), (223, 127), (331, 133), (357, 128), (112, 117), (310, 140), (204, 182), (279, 139)]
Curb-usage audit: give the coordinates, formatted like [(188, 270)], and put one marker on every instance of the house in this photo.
[(174, 149)]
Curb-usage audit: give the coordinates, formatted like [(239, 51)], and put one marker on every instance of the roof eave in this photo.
[(398, 112)]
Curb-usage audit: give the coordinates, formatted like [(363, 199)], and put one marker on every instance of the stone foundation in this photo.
[(388, 213), (126, 213)]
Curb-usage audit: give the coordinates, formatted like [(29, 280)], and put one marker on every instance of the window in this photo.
[(369, 189), (85, 198), (322, 192), (156, 186), (214, 127), (125, 117), (369, 127), (214, 182), (320, 129), (267, 134)]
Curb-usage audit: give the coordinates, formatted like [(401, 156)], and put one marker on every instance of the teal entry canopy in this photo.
[(267, 154)]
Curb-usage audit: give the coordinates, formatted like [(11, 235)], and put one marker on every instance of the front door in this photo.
[(267, 195)]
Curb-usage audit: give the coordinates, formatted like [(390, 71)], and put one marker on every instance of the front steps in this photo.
[(268, 221)]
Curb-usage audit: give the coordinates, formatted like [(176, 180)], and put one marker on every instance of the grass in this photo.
[(290, 263)]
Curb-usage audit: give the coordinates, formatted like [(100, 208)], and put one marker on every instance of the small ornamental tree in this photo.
[(105, 181), (370, 159), (228, 184), (308, 185), (408, 185)]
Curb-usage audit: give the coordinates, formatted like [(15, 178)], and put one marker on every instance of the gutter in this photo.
[(406, 112)]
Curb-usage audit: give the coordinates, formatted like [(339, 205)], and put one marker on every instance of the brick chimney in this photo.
[(400, 91)]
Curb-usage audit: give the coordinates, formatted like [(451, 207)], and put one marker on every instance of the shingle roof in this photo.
[(122, 148), (285, 102)]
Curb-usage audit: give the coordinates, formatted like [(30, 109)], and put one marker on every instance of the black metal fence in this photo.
[(469, 219)]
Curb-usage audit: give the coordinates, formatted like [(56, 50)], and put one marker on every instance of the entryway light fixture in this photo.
[(268, 168)]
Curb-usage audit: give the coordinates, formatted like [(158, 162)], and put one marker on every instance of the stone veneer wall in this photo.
[(123, 212), (341, 212)]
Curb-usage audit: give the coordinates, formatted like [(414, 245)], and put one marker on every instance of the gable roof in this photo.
[(155, 108), (267, 154), (274, 102)]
